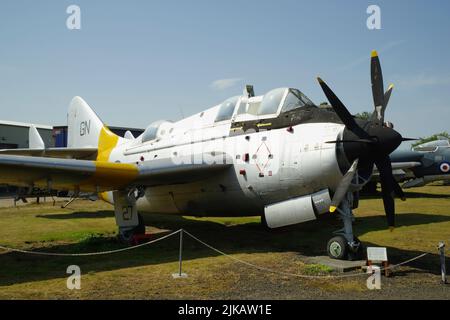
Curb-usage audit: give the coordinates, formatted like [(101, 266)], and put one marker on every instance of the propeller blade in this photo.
[(343, 186), (379, 112), (387, 187), (377, 85), (342, 112), (387, 96), (409, 139)]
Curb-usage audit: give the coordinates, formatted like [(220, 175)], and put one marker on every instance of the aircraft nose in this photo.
[(382, 142)]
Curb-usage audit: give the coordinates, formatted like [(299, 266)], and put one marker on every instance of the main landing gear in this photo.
[(344, 245), (129, 221)]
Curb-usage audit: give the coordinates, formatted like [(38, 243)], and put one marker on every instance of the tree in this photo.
[(437, 136), (364, 115)]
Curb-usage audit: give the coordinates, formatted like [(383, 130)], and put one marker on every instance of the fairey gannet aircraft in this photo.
[(276, 155)]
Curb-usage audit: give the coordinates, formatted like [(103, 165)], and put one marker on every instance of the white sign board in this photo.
[(377, 254)]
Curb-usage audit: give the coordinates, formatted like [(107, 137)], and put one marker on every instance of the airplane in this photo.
[(433, 160), (423, 164), (276, 155)]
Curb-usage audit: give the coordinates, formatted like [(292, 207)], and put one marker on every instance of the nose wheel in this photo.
[(339, 248)]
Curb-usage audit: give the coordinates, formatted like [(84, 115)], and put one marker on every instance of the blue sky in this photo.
[(136, 62)]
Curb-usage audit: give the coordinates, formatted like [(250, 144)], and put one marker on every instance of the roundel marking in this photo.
[(445, 167)]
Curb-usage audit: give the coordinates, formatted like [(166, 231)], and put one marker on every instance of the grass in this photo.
[(423, 220)]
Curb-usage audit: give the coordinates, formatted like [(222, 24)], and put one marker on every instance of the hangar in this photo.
[(14, 135)]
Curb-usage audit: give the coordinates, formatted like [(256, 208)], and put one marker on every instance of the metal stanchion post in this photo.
[(441, 249), (180, 274)]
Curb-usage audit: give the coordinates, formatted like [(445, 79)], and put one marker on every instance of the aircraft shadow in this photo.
[(414, 194), (307, 239), (408, 194), (77, 215)]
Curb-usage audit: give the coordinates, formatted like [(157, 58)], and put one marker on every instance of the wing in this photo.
[(396, 166), (99, 176), (67, 153)]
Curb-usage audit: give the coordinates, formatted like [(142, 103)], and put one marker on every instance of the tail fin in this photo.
[(34, 139), (86, 130)]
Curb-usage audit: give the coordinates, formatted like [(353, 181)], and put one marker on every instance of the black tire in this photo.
[(126, 237), (337, 248)]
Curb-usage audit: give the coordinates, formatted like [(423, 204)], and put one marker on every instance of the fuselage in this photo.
[(274, 157)]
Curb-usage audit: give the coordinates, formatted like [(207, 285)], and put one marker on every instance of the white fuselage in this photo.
[(268, 166)]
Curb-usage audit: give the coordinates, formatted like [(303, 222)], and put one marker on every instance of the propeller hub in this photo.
[(382, 141), (386, 140)]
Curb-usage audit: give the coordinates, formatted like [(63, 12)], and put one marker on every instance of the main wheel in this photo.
[(126, 236), (337, 248)]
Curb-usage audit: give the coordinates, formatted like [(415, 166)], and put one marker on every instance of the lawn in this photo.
[(145, 273)]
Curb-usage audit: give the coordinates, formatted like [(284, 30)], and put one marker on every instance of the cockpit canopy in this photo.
[(226, 109), (157, 130), (276, 101), (272, 103)]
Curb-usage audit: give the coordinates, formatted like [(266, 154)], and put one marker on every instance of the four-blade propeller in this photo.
[(370, 143)]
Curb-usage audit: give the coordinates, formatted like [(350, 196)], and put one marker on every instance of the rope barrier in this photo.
[(261, 268), (296, 274), (89, 253)]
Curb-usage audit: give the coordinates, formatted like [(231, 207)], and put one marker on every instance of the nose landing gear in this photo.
[(344, 245)]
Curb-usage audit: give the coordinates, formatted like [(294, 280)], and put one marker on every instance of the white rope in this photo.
[(405, 262), (89, 253), (261, 268), (294, 274), (268, 269)]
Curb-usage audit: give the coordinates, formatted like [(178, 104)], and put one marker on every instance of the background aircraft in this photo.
[(277, 155), (426, 163)]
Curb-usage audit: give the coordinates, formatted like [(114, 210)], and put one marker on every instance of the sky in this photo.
[(136, 62)]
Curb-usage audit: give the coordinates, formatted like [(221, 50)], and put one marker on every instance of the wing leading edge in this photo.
[(100, 176)]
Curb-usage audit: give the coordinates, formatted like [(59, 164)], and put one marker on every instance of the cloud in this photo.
[(223, 84)]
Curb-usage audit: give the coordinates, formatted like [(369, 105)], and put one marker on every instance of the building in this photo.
[(14, 135), (60, 134)]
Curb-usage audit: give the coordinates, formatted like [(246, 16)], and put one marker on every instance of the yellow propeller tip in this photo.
[(319, 79), (332, 209), (391, 86), (374, 53)]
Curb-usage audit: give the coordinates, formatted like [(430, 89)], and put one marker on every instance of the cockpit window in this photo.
[(271, 101), (242, 106), (295, 99), (226, 109)]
